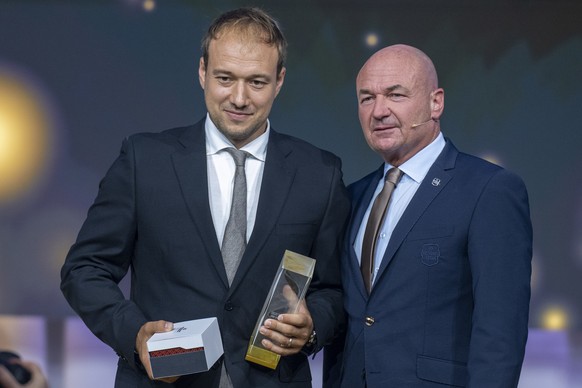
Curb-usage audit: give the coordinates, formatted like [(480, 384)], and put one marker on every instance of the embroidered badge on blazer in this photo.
[(429, 255)]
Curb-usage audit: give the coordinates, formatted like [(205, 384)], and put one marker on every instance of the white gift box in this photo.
[(192, 347)]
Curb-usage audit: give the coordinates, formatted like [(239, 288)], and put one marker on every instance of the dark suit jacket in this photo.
[(152, 215), (451, 300)]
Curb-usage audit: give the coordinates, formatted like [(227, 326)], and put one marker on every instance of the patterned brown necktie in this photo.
[(377, 215)]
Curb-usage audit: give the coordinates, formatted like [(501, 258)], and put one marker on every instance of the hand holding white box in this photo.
[(192, 347)]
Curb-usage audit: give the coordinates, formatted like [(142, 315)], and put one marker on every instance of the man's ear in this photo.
[(280, 79), (202, 73), (437, 103)]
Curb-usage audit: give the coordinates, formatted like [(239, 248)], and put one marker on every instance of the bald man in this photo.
[(437, 293)]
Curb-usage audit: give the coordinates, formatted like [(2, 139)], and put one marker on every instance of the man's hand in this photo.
[(288, 333), (144, 334)]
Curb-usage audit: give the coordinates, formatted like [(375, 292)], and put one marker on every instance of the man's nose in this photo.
[(239, 95), (381, 107)]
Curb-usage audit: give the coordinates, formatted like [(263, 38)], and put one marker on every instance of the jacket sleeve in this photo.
[(101, 257), (325, 298), (500, 252)]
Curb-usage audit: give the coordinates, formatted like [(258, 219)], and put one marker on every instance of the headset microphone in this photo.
[(419, 124)]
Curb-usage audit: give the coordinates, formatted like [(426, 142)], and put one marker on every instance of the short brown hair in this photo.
[(248, 19)]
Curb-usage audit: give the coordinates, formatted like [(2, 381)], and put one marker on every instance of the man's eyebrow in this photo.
[(220, 71), (264, 77), (392, 88), (386, 90)]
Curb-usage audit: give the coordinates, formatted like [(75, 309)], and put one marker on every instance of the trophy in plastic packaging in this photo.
[(288, 289)]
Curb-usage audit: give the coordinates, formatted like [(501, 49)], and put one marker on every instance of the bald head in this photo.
[(406, 57), (399, 102)]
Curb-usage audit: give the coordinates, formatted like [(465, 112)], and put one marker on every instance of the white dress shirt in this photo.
[(414, 169), (221, 169)]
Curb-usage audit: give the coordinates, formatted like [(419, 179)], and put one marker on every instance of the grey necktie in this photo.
[(235, 234), (377, 215)]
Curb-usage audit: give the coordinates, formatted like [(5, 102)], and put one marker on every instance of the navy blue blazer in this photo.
[(152, 215), (450, 303)]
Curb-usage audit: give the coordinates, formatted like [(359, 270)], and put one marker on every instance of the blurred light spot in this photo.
[(492, 158), (24, 133), (149, 5), (372, 40), (555, 318)]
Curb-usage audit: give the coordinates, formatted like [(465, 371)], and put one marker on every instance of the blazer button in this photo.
[(369, 321), (228, 306)]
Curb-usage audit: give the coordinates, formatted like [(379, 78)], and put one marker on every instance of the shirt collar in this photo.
[(216, 141), (417, 167)]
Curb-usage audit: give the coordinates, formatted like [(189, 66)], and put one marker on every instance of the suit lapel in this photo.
[(191, 171), (435, 181), (278, 175)]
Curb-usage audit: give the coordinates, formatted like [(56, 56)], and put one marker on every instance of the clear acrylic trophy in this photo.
[(288, 289)]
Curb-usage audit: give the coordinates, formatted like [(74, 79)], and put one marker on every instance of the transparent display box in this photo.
[(288, 289)]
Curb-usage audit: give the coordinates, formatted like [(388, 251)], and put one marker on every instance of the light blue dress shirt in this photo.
[(414, 169)]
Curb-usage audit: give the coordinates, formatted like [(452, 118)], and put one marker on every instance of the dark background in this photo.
[(97, 71)]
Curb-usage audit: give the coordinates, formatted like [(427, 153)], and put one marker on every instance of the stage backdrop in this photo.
[(76, 77)]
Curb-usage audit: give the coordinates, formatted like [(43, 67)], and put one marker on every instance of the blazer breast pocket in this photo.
[(429, 241)]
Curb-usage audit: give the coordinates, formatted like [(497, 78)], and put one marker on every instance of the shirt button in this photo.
[(228, 306), (383, 235), (369, 321)]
